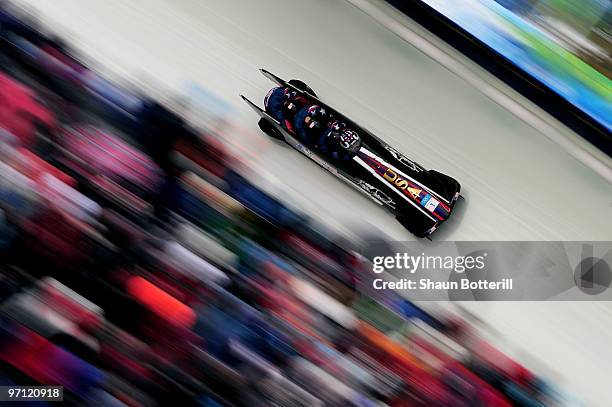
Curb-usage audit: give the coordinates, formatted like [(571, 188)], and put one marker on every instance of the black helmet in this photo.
[(315, 116), (347, 140)]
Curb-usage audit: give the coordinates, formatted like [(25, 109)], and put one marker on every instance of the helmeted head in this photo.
[(290, 106), (347, 140), (315, 117), (336, 125)]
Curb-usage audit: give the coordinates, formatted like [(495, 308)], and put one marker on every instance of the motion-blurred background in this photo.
[(157, 249), (562, 44)]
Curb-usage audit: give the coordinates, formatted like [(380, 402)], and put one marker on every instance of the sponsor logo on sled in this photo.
[(401, 158), (377, 193), (430, 203)]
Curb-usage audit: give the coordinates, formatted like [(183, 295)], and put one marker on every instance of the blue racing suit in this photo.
[(273, 103), (303, 133), (320, 139)]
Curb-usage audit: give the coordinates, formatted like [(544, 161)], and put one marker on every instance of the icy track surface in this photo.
[(518, 184)]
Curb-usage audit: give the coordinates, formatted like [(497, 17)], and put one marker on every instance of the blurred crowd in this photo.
[(141, 267)]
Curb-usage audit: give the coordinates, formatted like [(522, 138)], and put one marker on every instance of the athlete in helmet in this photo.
[(309, 123), (282, 104), (339, 141)]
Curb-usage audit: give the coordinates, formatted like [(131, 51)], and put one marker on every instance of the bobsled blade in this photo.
[(259, 110), (272, 77)]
